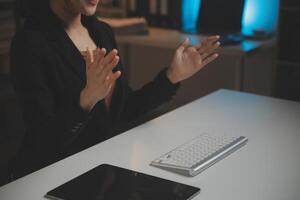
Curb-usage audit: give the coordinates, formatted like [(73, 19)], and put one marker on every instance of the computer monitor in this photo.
[(220, 17), (260, 18)]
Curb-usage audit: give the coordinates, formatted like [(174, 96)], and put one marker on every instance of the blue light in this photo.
[(260, 15), (190, 13)]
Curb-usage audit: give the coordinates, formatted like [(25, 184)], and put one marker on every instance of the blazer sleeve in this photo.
[(149, 97), (49, 130), (137, 103)]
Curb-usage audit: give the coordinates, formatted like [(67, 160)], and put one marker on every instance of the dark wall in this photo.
[(288, 81), (7, 30), (11, 123)]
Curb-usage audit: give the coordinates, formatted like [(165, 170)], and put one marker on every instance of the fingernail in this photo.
[(103, 50)]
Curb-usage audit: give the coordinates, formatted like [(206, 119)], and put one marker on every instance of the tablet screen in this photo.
[(107, 182)]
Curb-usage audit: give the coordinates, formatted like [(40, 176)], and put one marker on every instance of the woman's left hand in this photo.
[(188, 61)]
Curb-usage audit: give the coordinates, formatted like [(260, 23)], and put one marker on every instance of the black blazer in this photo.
[(49, 74)]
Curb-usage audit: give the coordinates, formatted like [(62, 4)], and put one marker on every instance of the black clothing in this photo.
[(49, 74)]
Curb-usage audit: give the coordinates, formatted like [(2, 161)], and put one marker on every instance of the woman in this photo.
[(71, 83)]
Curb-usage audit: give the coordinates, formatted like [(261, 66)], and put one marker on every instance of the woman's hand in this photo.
[(189, 60), (99, 76)]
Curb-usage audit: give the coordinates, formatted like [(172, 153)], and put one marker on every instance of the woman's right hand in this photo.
[(99, 76)]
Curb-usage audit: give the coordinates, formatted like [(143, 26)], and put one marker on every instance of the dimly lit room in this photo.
[(149, 99)]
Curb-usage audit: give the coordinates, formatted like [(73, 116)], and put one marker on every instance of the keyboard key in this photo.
[(201, 152)]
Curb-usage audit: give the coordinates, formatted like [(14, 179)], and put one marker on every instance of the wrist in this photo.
[(172, 76), (85, 101)]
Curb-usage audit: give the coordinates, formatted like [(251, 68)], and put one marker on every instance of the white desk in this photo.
[(267, 168)]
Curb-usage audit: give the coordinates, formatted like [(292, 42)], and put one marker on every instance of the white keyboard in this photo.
[(198, 154)]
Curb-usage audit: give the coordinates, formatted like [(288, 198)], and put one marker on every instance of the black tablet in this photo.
[(107, 182)]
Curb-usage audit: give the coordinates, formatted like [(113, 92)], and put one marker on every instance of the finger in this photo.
[(95, 51), (192, 51), (110, 56), (89, 56), (111, 79), (210, 39), (96, 57), (110, 66), (207, 42), (103, 51), (100, 56), (210, 51), (115, 76), (183, 45), (207, 47), (210, 59)]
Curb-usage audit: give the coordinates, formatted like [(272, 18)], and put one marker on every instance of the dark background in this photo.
[(288, 75), (11, 125)]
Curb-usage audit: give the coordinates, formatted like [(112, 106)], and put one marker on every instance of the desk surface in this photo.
[(267, 168)]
